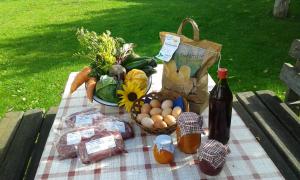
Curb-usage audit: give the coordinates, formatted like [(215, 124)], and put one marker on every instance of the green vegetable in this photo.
[(104, 46), (104, 50), (139, 64), (153, 63), (149, 70), (131, 59), (123, 51), (106, 89), (143, 63)]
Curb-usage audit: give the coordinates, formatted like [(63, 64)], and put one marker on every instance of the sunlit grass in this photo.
[(37, 40)]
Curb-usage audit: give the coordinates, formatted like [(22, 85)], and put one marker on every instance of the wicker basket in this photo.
[(161, 96)]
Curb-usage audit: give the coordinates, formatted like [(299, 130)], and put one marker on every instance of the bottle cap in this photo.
[(222, 73)]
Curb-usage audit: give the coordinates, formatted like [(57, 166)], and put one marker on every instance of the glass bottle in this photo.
[(220, 107)]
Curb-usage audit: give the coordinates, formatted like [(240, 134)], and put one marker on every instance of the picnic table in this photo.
[(247, 159)]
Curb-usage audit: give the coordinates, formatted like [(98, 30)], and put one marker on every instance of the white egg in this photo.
[(166, 111), (167, 104), (147, 122), (141, 116)]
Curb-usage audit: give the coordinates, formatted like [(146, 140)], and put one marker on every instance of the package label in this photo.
[(121, 126), (169, 47), (84, 120), (100, 144), (87, 133), (191, 56), (115, 126), (73, 138)]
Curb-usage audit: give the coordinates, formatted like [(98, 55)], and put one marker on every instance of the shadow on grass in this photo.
[(252, 40), (141, 23), (55, 46)]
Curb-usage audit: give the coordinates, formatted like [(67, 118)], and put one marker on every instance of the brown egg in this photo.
[(155, 103), (170, 120), (155, 111), (141, 116), (176, 111), (160, 124), (146, 108), (157, 117), (166, 111)]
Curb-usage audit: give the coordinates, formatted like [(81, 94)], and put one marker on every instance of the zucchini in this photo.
[(138, 64), (149, 70), (153, 63), (130, 59)]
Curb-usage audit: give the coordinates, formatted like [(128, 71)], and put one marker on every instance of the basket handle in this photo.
[(196, 30)]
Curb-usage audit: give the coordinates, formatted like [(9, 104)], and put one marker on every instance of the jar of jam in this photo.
[(189, 131), (163, 149), (212, 157)]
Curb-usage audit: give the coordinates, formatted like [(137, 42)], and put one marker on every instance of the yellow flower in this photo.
[(129, 94)]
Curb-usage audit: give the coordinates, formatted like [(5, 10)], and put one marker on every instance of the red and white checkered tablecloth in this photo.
[(247, 159)]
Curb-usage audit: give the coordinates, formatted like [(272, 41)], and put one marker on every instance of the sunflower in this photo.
[(129, 94)]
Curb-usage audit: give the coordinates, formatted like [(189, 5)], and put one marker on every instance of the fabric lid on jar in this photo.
[(190, 123), (214, 153), (164, 142)]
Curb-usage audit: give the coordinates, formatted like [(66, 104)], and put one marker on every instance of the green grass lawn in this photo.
[(37, 40)]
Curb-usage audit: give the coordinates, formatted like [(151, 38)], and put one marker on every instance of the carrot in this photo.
[(80, 78), (90, 86)]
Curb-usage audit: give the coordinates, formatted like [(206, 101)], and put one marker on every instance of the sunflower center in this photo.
[(132, 96)]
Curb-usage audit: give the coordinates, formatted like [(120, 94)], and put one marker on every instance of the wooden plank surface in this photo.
[(290, 77), (15, 162), (265, 142), (282, 112), (39, 147), (8, 126), (290, 98), (295, 49), (286, 144)]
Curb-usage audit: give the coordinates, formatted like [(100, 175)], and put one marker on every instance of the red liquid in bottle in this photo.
[(220, 107)]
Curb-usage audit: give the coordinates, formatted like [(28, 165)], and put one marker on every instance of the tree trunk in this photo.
[(281, 8)]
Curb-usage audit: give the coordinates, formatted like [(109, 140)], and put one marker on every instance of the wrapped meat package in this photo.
[(112, 123), (87, 117), (68, 141), (101, 146)]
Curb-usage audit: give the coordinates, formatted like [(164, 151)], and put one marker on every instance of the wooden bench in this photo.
[(22, 140), (276, 124)]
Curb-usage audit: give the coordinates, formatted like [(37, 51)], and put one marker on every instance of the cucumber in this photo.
[(153, 63), (142, 62), (130, 59), (149, 70)]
